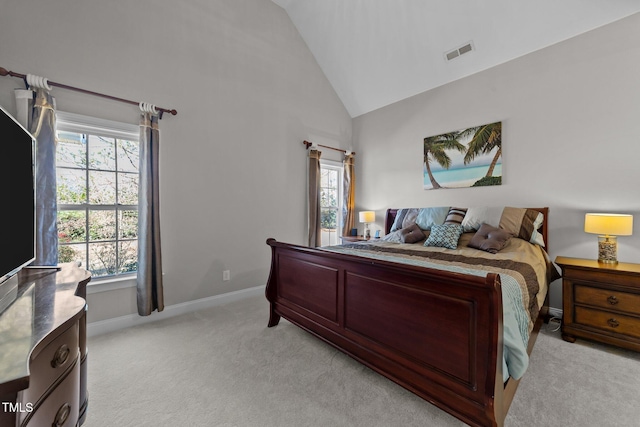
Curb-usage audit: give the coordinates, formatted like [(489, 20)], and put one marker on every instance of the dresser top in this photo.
[(621, 267), (46, 300)]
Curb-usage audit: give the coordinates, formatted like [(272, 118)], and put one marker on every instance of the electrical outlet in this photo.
[(226, 275)]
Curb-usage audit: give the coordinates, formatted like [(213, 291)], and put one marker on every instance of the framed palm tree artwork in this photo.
[(469, 157)]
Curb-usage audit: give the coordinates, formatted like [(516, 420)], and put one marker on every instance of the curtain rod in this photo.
[(5, 72), (309, 144)]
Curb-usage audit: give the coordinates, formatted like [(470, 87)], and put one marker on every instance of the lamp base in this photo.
[(608, 249)]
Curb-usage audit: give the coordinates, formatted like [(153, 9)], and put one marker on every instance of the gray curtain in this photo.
[(313, 205), (149, 283), (349, 194), (42, 125)]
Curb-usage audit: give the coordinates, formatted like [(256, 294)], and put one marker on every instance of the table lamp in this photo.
[(367, 217), (608, 227)]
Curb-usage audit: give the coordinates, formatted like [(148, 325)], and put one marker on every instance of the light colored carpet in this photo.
[(224, 367)]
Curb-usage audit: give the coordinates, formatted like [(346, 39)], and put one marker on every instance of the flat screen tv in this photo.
[(17, 196)]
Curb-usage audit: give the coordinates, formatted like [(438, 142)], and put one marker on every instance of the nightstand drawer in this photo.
[(611, 322), (608, 299), (608, 277)]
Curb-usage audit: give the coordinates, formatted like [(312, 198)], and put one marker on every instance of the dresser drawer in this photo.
[(608, 299), (50, 363), (60, 407), (607, 321)]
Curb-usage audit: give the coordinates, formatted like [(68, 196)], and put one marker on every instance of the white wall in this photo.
[(571, 138), (247, 91)]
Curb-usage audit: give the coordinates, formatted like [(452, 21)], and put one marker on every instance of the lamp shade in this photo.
[(608, 224), (367, 216)]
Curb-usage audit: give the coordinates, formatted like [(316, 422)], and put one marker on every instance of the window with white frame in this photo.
[(97, 187), (330, 202)]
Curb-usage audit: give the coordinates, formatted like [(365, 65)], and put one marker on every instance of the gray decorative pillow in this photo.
[(411, 234), (489, 239), (444, 236), (404, 218)]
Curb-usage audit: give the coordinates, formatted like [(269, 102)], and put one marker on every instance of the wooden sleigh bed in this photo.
[(439, 334)]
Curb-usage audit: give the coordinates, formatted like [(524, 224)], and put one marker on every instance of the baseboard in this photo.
[(117, 323), (555, 312)]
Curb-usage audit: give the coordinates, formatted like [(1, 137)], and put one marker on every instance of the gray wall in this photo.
[(571, 138), (247, 91)]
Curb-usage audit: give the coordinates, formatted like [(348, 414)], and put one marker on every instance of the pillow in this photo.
[(489, 239), (404, 218), (428, 217), (477, 216), (411, 234), (523, 223), (455, 216), (394, 237), (444, 236)]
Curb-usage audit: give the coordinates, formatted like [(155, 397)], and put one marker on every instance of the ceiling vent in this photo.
[(452, 54)]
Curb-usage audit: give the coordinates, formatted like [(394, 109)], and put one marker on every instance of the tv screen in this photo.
[(17, 196)]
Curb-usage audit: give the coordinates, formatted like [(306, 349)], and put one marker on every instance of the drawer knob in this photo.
[(613, 323), (60, 357), (612, 300), (62, 415)]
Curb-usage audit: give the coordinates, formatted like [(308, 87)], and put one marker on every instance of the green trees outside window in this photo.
[(98, 202), (330, 191)]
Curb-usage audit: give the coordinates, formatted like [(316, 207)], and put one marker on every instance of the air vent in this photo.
[(452, 54)]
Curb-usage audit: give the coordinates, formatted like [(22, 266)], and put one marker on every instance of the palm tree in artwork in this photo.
[(485, 139), (435, 150)]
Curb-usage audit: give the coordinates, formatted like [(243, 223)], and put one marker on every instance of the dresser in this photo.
[(601, 302), (43, 350), (347, 239)]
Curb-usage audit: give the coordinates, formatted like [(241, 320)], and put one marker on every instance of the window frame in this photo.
[(77, 123)]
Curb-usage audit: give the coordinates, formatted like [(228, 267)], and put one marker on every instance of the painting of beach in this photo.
[(465, 158)]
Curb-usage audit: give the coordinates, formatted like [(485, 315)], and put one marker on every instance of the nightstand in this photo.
[(354, 239), (601, 302)]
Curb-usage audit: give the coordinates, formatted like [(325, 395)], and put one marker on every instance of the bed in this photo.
[(432, 321)]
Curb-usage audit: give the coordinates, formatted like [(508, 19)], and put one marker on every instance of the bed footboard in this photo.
[(437, 334)]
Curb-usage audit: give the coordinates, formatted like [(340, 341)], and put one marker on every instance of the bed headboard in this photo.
[(391, 216), (388, 220)]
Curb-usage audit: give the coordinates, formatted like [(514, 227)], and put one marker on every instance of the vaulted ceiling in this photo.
[(377, 52)]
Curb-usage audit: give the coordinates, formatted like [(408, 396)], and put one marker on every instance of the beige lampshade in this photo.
[(367, 216), (608, 224)]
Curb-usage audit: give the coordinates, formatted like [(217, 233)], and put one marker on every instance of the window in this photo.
[(97, 185), (330, 202)]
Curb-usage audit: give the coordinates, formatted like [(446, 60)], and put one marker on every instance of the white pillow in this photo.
[(476, 216)]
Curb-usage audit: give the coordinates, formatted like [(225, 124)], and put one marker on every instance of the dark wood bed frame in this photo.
[(436, 333)]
